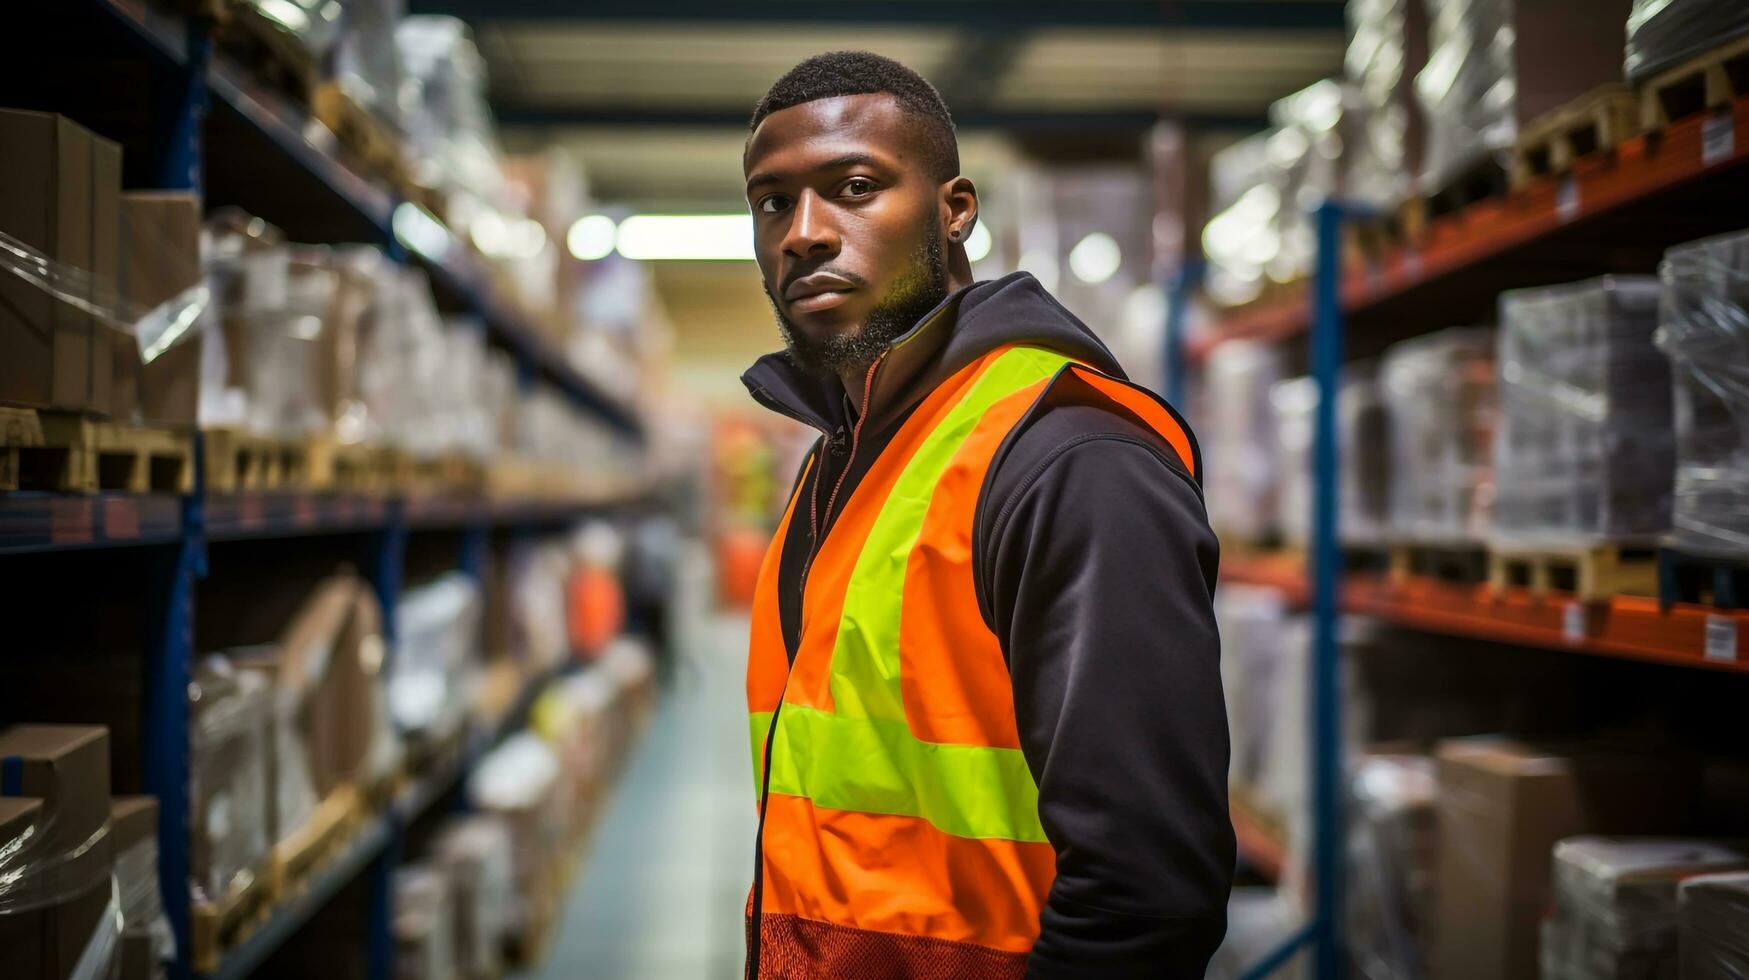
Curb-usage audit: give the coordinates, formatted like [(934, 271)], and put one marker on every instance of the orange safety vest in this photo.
[(901, 835)]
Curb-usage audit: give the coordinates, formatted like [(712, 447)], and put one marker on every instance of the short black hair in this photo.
[(839, 73)]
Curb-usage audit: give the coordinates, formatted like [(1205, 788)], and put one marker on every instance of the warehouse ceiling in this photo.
[(654, 96)]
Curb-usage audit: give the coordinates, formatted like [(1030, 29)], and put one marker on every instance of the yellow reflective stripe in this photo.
[(875, 766), (865, 658), (758, 725)]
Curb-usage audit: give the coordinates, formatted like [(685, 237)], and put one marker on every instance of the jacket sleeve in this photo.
[(1100, 572)]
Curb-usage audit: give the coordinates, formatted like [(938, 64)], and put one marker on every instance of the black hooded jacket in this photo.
[(1095, 568)]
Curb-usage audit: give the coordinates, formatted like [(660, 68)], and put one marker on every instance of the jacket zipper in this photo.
[(758, 911)]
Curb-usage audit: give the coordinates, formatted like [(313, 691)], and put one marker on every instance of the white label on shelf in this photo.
[(1718, 140), (1721, 638), (1573, 622), (1567, 199)]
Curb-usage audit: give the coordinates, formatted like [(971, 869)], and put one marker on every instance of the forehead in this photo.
[(825, 129)]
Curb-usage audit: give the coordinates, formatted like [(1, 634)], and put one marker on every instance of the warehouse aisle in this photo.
[(662, 890)]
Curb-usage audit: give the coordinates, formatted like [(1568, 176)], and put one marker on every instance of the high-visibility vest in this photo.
[(900, 831)]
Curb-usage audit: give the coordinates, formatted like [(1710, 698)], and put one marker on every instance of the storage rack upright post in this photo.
[(193, 98)]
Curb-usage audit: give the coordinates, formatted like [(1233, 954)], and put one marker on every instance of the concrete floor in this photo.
[(661, 893)]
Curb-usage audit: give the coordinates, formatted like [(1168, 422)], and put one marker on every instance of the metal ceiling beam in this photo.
[(1065, 121), (1213, 15)]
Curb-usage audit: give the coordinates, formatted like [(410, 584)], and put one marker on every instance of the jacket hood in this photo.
[(965, 326)]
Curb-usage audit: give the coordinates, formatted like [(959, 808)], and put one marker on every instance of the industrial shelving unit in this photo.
[(1615, 211), (196, 121)]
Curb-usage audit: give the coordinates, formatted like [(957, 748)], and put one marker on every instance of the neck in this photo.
[(856, 378)]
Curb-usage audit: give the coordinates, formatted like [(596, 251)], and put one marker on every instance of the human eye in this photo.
[(772, 203), (858, 187)]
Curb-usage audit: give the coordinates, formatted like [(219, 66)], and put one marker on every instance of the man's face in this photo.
[(846, 221)]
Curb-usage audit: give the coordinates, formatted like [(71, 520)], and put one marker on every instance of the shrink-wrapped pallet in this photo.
[(1583, 447), (475, 854), (1713, 926), (434, 672), (1362, 485), (1392, 853), (1387, 46), (451, 136), (1240, 438), (230, 732), (1615, 915), (1440, 399), (1662, 34), (367, 64), (424, 925), (1704, 328)]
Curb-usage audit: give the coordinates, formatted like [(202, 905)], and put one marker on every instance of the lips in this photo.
[(820, 284)]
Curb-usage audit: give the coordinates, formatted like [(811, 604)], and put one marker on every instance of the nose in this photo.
[(811, 232)]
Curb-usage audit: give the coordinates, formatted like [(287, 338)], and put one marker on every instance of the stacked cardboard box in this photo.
[(1713, 934), (1440, 396)]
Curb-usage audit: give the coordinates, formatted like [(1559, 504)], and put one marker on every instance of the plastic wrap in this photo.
[(1386, 46), (1583, 447), (1663, 34), (293, 791), (367, 64), (142, 908), (424, 925), (1361, 488), (451, 136), (1714, 926), (524, 782), (43, 875), (1440, 398), (1616, 905), (1392, 850), (1240, 435), (535, 583), (229, 777), (434, 672), (1468, 88), (476, 855), (311, 27), (1704, 329)]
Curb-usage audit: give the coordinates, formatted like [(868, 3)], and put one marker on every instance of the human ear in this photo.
[(959, 208)]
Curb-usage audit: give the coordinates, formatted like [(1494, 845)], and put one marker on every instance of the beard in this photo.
[(918, 290)]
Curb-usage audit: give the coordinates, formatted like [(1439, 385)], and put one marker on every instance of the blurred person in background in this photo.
[(987, 723)]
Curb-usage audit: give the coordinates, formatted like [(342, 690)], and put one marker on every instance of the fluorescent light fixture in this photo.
[(978, 243), (525, 238), (591, 237), (489, 233), (1095, 259), (416, 228), (686, 236)]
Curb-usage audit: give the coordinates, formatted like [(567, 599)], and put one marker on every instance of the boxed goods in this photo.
[(230, 720), (1241, 476), (1392, 849), (1615, 912), (146, 941), (1714, 926), (1502, 806), (434, 670), (58, 906), (60, 191), (424, 925), (1706, 300), (1662, 34), (475, 855), (520, 782), (1440, 398), (158, 374), (452, 139), (1583, 447), (1494, 65)]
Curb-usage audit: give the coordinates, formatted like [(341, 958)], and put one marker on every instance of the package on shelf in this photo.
[(1615, 910), (1494, 65), (366, 61), (1713, 931), (1362, 485), (165, 364), (577, 719), (1239, 432), (1387, 46), (1441, 399), (594, 599), (1701, 329), (1392, 846), (521, 781), (435, 670), (311, 28), (1255, 625), (452, 138), (534, 631), (1583, 443), (1663, 34), (60, 198), (473, 424), (424, 925), (59, 911), (230, 778), (1502, 806), (476, 855), (147, 942)]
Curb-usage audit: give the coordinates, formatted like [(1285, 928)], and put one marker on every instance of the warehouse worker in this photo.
[(987, 724)]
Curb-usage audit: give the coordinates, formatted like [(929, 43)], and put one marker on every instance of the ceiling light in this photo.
[(1095, 259), (686, 236), (978, 243), (591, 237)]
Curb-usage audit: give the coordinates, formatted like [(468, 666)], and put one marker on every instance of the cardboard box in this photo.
[(59, 195), (65, 766), (1502, 806), (160, 261), (133, 820), (45, 941)]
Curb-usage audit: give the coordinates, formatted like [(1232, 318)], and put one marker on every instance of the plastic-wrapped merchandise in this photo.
[(1387, 46), (229, 744), (424, 925), (366, 62), (1704, 329), (1663, 34), (434, 672), (451, 136), (1361, 487), (521, 781), (1440, 398), (535, 577), (1615, 912), (147, 939), (1241, 478), (1254, 625), (1583, 445), (311, 27), (1714, 926), (475, 854), (1392, 849)]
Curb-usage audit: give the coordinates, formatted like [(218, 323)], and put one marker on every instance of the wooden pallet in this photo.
[(1462, 562), (1479, 181), (74, 453), (1710, 81), (1598, 121), (450, 473), (215, 928), (239, 461), (300, 855), (361, 132), (1588, 570), (1710, 580), (355, 468)]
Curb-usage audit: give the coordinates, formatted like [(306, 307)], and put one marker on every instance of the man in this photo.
[(986, 708)]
